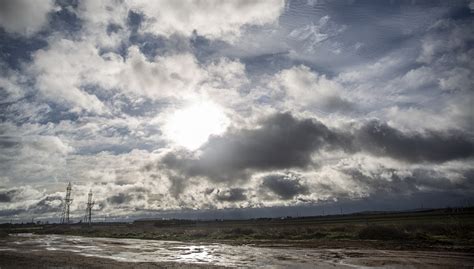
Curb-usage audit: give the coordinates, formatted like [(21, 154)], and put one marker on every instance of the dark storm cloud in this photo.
[(121, 198), (382, 140), (7, 196), (281, 142), (51, 203), (432, 179), (389, 181), (11, 212), (231, 195), (178, 184), (127, 197), (284, 186), (8, 142)]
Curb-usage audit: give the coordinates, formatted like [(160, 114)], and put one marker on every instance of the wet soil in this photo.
[(59, 251)]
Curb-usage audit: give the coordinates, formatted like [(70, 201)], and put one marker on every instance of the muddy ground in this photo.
[(62, 251), (67, 260)]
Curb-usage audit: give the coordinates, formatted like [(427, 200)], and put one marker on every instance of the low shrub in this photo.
[(377, 232), (242, 231)]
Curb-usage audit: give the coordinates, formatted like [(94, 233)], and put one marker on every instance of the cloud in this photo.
[(231, 195), (311, 90), (75, 74), (213, 19), (25, 17), (48, 204), (283, 142), (167, 19), (309, 36), (18, 200), (377, 178), (11, 212), (226, 74), (164, 76), (59, 70), (7, 196), (119, 199), (98, 16), (66, 70), (31, 157), (280, 142), (11, 88), (457, 36), (453, 116), (461, 79), (285, 186), (382, 140)]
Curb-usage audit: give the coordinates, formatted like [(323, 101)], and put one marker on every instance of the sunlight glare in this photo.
[(191, 126)]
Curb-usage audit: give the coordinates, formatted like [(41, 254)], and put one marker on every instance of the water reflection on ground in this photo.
[(137, 250)]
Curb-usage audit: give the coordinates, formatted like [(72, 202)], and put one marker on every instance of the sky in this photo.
[(210, 109)]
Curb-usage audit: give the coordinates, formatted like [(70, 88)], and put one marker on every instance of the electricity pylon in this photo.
[(67, 204), (90, 204)]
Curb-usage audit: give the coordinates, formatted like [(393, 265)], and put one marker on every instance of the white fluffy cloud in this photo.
[(59, 71), (98, 16), (24, 17), (461, 79), (214, 19), (30, 157), (11, 84), (310, 89), (66, 68), (165, 76)]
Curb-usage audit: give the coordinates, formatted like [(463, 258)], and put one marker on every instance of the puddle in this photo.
[(136, 250)]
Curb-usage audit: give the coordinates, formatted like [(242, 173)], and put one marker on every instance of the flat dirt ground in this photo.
[(59, 251), (67, 260)]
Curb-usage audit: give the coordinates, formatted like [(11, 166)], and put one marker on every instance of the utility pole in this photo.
[(67, 204), (90, 204)]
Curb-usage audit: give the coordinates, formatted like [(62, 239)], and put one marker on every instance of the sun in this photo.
[(191, 126)]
